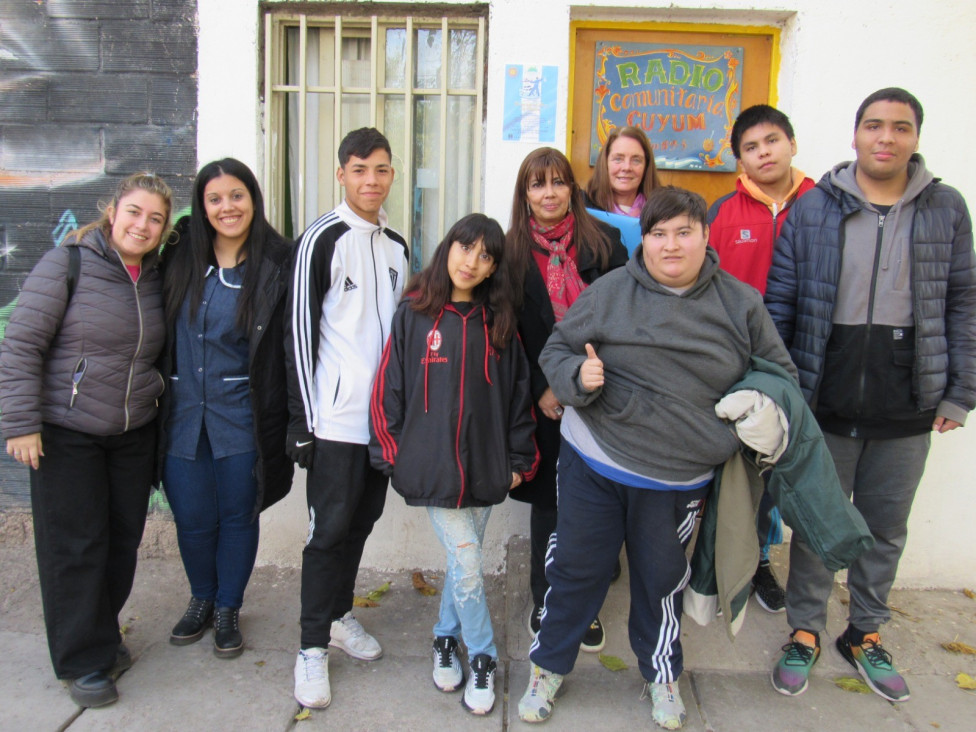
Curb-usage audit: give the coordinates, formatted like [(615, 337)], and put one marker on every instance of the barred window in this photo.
[(419, 80)]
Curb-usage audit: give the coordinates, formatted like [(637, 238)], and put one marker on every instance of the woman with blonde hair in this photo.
[(78, 391), (624, 173)]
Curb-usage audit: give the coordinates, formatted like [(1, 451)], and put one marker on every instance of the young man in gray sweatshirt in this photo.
[(873, 290)]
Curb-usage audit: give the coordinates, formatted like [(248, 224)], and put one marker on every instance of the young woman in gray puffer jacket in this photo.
[(78, 391)]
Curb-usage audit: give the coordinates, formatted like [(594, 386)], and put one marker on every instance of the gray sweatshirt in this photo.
[(668, 359)]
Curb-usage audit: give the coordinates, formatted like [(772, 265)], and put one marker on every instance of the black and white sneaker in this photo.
[(448, 675), (535, 620), (769, 594), (595, 639), (479, 692)]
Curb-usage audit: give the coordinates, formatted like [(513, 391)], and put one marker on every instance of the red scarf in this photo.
[(563, 280)]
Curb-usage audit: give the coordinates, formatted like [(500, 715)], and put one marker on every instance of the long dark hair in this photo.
[(431, 289), (599, 190), (189, 257), (587, 235)]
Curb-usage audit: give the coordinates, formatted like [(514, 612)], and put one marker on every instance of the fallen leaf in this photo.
[(849, 683), (259, 664), (358, 601), (935, 724), (378, 592), (965, 681), (420, 584), (969, 593), (123, 630), (303, 715), (612, 663), (957, 647)]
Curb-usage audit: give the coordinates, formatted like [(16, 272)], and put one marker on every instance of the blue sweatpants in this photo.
[(595, 516)]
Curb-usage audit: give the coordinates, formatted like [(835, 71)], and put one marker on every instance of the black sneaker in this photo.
[(198, 615), (595, 639), (535, 620), (769, 594), (93, 690), (228, 641)]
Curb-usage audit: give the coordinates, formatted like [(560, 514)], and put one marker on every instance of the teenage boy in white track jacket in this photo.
[(349, 275)]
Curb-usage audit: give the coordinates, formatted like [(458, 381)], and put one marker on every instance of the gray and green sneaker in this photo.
[(791, 673), (873, 662), (668, 710)]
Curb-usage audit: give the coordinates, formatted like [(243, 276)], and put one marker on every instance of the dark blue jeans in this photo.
[(213, 502)]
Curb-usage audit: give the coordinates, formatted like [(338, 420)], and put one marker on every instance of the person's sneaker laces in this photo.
[(348, 635), (873, 663), (791, 674), (479, 692), (667, 709), (312, 678), (594, 639), (536, 703), (448, 675), (769, 594), (535, 620)]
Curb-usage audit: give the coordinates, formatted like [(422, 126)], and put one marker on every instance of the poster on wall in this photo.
[(530, 103), (685, 97)]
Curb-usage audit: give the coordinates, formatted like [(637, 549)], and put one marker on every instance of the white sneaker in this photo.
[(448, 675), (540, 696), (312, 678), (668, 710), (349, 636), (479, 693)]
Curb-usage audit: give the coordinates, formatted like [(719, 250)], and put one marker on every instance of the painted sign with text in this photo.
[(684, 97)]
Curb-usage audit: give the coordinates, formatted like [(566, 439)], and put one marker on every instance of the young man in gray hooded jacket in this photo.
[(873, 290)]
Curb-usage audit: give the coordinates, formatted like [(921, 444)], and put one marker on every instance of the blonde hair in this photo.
[(149, 182)]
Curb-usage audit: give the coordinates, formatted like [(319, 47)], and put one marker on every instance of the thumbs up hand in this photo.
[(591, 372)]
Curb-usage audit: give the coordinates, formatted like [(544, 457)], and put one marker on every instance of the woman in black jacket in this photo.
[(78, 391), (226, 415), (555, 249)]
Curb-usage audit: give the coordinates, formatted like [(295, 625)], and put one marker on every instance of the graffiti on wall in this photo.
[(92, 92)]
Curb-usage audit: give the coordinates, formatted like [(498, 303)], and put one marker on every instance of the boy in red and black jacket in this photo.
[(743, 226)]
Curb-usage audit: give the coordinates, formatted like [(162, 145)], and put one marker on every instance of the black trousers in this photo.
[(89, 500), (345, 497)]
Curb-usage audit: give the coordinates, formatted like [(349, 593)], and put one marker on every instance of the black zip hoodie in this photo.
[(450, 416)]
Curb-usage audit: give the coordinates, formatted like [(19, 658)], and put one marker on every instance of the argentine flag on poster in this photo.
[(530, 103)]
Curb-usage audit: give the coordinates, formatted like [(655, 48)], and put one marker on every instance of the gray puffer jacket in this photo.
[(87, 364), (803, 282)]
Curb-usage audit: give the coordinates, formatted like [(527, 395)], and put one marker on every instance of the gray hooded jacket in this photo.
[(668, 359), (87, 364)]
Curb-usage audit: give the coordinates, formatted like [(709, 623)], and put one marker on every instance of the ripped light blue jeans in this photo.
[(464, 608)]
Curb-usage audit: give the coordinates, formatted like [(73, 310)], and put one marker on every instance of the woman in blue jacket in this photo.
[(226, 417)]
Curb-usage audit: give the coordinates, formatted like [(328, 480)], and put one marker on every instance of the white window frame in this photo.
[(276, 25)]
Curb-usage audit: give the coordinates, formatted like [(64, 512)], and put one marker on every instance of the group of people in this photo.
[(544, 363)]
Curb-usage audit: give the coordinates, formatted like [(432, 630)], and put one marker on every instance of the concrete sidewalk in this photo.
[(725, 686)]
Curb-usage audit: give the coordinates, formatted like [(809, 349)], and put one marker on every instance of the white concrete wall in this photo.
[(834, 53)]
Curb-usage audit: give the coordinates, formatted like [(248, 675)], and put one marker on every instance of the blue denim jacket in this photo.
[(210, 384)]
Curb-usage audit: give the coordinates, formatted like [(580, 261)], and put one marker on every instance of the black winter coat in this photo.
[(266, 371), (803, 281), (535, 323), (451, 416)]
